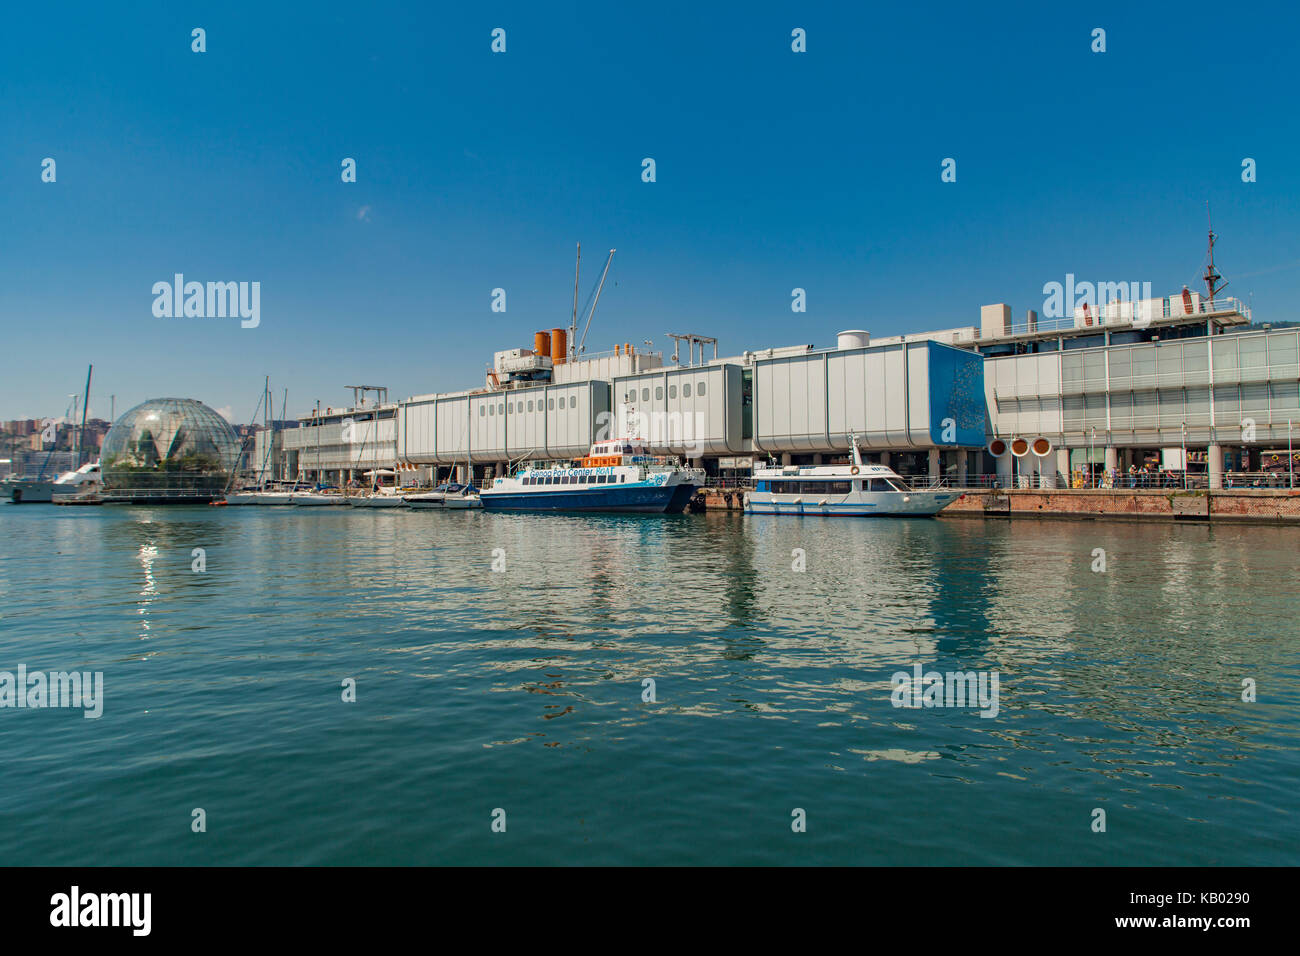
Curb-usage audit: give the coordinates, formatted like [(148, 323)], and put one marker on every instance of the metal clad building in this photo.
[(1143, 394), (696, 410), (553, 421), (895, 396)]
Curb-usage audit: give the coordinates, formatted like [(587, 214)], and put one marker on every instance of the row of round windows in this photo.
[(499, 408), (672, 392)]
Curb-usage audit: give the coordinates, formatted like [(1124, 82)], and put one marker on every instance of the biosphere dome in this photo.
[(169, 449)]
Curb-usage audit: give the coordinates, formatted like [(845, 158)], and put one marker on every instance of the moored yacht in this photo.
[(269, 495), (453, 495), (315, 498), (71, 484), (616, 475), (855, 489), (385, 497)]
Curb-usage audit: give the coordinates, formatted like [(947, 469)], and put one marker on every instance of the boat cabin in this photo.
[(606, 454)]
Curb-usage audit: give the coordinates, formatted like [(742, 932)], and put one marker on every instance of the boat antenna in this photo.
[(1211, 276), (573, 324)]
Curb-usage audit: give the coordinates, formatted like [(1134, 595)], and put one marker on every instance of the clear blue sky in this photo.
[(478, 170)]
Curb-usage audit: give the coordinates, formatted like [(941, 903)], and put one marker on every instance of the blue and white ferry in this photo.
[(855, 489), (615, 476)]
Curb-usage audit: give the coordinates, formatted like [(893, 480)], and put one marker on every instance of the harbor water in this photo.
[(501, 663)]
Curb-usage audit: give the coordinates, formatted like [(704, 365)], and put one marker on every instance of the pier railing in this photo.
[(1169, 480)]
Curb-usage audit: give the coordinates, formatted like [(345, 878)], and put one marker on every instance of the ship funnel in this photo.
[(997, 447), (1041, 447)]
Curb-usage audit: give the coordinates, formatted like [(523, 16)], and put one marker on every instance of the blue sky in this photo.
[(477, 170)]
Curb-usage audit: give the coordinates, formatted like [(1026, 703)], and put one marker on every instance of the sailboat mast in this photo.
[(85, 405), (284, 410), (266, 425)]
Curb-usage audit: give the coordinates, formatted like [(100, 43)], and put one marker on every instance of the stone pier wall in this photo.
[(1272, 506)]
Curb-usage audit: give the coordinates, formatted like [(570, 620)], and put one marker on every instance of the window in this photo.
[(530, 405), (879, 484), (492, 409), (659, 393), (645, 394), (686, 390), (699, 389), (573, 401), (631, 396), (550, 405), (502, 408), (672, 391), (520, 408)]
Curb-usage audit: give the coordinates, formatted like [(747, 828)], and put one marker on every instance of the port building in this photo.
[(1102, 388)]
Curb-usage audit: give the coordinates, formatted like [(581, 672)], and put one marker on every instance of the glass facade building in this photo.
[(169, 450)]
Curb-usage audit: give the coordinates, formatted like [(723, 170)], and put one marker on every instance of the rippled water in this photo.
[(522, 689)]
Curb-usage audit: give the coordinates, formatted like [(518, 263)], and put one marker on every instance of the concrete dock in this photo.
[(1238, 505)]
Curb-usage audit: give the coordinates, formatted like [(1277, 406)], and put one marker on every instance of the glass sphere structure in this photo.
[(169, 449)]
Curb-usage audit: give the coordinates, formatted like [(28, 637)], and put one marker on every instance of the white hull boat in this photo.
[(83, 482), (259, 498), (380, 500), (312, 499), (451, 496), (853, 490)]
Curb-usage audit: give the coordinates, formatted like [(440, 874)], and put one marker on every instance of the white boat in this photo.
[(616, 475), (383, 498), (854, 489), (84, 481), (463, 502), (307, 499), (450, 496), (260, 497)]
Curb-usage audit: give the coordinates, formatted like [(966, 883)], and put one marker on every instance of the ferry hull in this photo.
[(671, 499), (919, 504)]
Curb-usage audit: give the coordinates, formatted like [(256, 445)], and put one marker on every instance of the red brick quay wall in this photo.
[(1272, 506)]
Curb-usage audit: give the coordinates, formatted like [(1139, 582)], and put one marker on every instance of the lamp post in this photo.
[(1184, 428), (1092, 454)]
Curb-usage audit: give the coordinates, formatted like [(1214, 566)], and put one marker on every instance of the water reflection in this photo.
[(1133, 674)]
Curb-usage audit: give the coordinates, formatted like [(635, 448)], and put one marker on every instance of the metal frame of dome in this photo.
[(169, 450)]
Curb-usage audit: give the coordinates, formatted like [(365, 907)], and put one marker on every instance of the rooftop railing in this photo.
[(1129, 314)]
